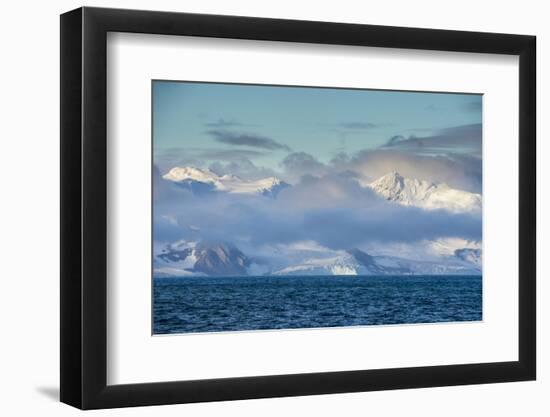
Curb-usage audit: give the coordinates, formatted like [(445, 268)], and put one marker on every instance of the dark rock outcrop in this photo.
[(220, 259), (370, 263)]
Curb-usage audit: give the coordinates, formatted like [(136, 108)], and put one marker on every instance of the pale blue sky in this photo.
[(266, 123)]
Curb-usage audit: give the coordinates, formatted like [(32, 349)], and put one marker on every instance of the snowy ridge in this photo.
[(183, 173), (184, 258), (227, 183), (424, 194), (344, 264), (223, 259), (470, 255), (357, 262), (175, 259)]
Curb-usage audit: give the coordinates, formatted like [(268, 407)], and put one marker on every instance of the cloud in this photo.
[(229, 154), (326, 203), (464, 139), (243, 168), (458, 171), (168, 158), (395, 140), (246, 139), (297, 164), (349, 228), (457, 168), (334, 211)]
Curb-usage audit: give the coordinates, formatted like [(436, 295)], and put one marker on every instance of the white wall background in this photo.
[(29, 237)]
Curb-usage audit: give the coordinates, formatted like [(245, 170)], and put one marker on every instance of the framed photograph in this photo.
[(257, 208)]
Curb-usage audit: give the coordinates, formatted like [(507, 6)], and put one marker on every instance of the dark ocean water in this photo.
[(199, 304)]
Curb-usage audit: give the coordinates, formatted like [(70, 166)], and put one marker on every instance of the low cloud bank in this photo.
[(333, 210)]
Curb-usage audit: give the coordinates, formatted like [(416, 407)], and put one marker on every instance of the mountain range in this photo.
[(224, 259), (204, 180), (208, 258), (391, 187)]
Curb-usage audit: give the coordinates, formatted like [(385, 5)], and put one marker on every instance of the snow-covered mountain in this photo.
[(204, 180), (357, 262), (392, 187), (469, 255), (223, 259), (441, 256), (184, 258), (351, 262), (424, 194)]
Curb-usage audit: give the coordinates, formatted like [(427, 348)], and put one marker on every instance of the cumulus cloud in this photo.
[(457, 170), (461, 171), (165, 159), (243, 168), (298, 164), (246, 139), (451, 155)]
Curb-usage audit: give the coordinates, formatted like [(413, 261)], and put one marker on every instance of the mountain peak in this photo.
[(206, 180), (392, 181), (184, 173), (420, 193)]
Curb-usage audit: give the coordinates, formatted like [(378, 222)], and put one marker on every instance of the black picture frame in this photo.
[(84, 207)]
